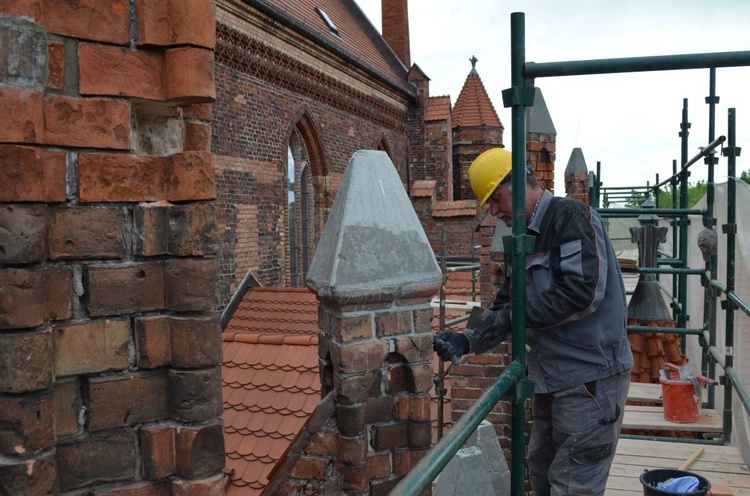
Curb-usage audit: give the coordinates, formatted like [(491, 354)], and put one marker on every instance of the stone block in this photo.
[(393, 323), (31, 174), (23, 53), (56, 64), (193, 229), (27, 8), (23, 111), (29, 475), (190, 176), (158, 130), (115, 71), (86, 122), (82, 233), (189, 75), (91, 347), (120, 178), (153, 342), (111, 402), (360, 356), (177, 22), (97, 20), (98, 458), (195, 395), (140, 288), (191, 285), (157, 451), (389, 436), (196, 341), (25, 361), (199, 451), (23, 233), (27, 421), (210, 486), (68, 405)]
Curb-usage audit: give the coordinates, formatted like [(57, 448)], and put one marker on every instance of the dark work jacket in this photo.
[(575, 310)]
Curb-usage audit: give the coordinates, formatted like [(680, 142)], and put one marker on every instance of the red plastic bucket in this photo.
[(681, 401)]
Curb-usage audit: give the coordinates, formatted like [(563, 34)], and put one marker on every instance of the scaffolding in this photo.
[(512, 381)]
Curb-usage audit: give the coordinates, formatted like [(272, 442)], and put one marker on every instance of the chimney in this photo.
[(396, 28)]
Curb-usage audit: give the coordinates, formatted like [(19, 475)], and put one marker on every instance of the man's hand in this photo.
[(450, 345)]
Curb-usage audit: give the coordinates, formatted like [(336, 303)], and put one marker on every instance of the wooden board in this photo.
[(651, 393), (652, 418), (718, 464)]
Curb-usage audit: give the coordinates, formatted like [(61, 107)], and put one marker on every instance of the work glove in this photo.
[(492, 331), (450, 345)]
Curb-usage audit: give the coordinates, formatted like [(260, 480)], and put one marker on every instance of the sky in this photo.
[(628, 122)]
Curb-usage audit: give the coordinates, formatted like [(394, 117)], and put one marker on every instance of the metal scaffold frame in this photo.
[(512, 381)]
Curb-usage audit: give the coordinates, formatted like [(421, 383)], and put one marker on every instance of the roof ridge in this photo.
[(277, 339)]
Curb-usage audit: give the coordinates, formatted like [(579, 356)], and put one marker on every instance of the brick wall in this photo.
[(110, 346), (255, 114)]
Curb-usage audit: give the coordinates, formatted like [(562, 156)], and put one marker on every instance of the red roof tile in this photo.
[(272, 311), (357, 37), (461, 208), (473, 106), (438, 108)]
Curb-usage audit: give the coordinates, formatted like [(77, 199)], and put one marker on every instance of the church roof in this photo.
[(473, 106), (345, 29), (438, 108)]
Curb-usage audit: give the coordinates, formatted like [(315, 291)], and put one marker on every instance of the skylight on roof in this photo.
[(327, 20)]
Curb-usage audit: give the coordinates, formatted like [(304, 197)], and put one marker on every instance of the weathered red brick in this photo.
[(158, 451), (393, 323), (177, 22), (140, 288), (91, 347), (31, 297), (150, 229), (193, 229), (56, 62), (196, 341), (28, 475), (379, 465), (353, 477), (139, 489), (415, 347), (199, 451), (191, 284), (195, 395), (25, 362), (23, 115), (98, 20), (190, 176), (189, 75), (80, 233), (111, 402), (68, 404), (210, 486), (86, 122), (28, 8), (23, 233), (31, 174), (352, 449), (118, 178), (390, 436), (310, 467), (114, 71), (357, 388), (360, 357), (198, 111), (420, 434), (347, 329), (28, 424), (98, 458), (153, 342), (197, 137)]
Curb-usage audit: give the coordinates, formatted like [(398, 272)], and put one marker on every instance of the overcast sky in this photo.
[(628, 122)]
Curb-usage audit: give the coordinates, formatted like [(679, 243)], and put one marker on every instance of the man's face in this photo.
[(501, 203)]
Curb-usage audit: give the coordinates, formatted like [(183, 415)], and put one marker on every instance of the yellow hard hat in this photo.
[(487, 171)]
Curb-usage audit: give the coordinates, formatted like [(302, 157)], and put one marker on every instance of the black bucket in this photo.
[(651, 479)]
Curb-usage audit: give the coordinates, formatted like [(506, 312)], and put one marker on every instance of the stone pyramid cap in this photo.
[(373, 247), (538, 119), (576, 163)]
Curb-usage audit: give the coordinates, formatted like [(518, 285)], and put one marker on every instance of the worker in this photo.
[(579, 356)]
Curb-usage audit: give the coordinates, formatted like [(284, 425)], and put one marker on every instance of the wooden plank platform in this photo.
[(719, 464), (651, 393), (652, 418)]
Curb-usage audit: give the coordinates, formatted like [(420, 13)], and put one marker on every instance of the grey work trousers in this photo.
[(574, 436)]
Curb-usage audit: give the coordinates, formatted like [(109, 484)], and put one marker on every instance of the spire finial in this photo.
[(473, 61)]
